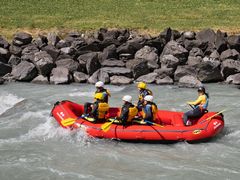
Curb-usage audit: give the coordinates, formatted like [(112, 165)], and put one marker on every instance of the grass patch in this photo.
[(143, 15)]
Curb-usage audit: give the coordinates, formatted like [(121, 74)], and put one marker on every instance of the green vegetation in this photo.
[(144, 15)]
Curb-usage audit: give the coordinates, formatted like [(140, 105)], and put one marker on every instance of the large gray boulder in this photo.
[(60, 75), (206, 35), (80, 77), (4, 55), (52, 51), (24, 71), (4, 69), (195, 52), (138, 67), (117, 71), (40, 79), (89, 62), (120, 80), (189, 35), (189, 44), (22, 38), (175, 49), (70, 64), (94, 77), (229, 54), (164, 81), (163, 72), (169, 61), (14, 60), (234, 42), (53, 38), (4, 43), (234, 79), (192, 60), (103, 76), (221, 41), (28, 53), (43, 62), (189, 81), (131, 46), (230, 67), (148, 78), (15, 50), (109, 52), (147, 53), (184, 71)]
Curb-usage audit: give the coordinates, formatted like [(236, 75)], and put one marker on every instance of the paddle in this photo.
[(216, 114), (191, 106), (68, 122), (149, 122), (106, 126)]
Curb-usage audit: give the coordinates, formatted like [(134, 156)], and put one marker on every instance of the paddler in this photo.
[(98, 110), (199, 106), (149, 109), (128, 111), (143, 91)]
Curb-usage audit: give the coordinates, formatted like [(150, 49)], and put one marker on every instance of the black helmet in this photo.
[(201, 89)]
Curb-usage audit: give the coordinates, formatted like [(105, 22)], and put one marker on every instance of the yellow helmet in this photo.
[(98, 96), (142, 85)]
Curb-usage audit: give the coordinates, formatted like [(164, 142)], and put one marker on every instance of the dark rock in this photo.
[(22, 38), (215, 56), (94, 78), (52, 51), (148, 78), (189, 44), (163, 72), (60, 75), (156, 42), (104, 77), (74, 34), (69, 64), (168, 34), (109, 52), (147, 53), (15, 50), (229, 54), (126, 56), (206, 35), (176, 50), (4, 43), (209, 72), (92, 45), (221, 41), (234, 42), (189, 81), (1, 81), (152, 65), (4, 69), (169, 61), (40, 41), (66, 50), (4, 55), (184, 71), (139, 67), (113, 63), (80, 77), (63, 44), (196, 52), (194, 60), (53, 38), (118, 71), (120, 80), (43, 62), (189, 35), (40, 79), (28, 53), (234, 79), (230, 67), (88, 57), (24, 71), (92, 65), (131, 46), (164, 81), (14, 60)]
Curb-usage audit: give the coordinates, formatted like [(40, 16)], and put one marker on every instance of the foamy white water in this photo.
[(33, 146)]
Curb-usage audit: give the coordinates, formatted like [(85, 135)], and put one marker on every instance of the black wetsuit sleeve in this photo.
[(95, 109), (124, 114)]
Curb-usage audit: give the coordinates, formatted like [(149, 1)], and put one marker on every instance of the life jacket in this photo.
[(204, 103), (133, 111), (105, 93), (102, 110), (154, 111), (144, 93)]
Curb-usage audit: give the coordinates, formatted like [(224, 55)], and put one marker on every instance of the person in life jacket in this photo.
[(100, 89), (128, 111), (199, 106), (143, 91), (97, 110), (149, 109)]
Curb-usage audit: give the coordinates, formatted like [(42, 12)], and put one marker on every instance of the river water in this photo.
[(33, 146)]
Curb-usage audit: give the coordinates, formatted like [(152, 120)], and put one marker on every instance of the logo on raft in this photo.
[(198, 131), (216, 125)]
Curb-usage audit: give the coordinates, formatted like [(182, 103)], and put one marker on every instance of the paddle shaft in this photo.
[(215, 114)]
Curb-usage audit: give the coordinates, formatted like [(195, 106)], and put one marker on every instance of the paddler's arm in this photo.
[(94, 109), (198, 101), (124, 115)]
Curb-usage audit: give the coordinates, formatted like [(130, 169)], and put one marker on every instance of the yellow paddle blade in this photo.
[(106, 126), (68, 121), (216, 114), (90, 119)]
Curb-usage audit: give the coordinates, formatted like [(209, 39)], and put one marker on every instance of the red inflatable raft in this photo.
[(68, 114)]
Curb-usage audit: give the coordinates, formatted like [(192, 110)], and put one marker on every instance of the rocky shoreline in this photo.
[(122, 57)]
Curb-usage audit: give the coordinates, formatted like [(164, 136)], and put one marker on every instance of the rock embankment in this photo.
[(122, 57)]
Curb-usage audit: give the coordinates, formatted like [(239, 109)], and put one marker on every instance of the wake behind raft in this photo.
[(168, 125)]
